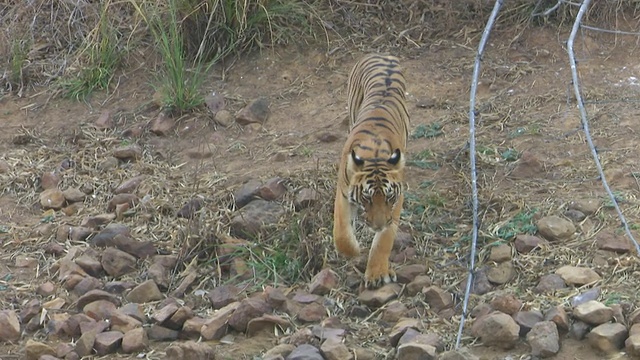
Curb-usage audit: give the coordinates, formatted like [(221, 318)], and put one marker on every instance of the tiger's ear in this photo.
[(395, 157), (356, 159)]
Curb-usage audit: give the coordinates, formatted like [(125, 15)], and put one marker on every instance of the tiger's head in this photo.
[(376, 185)]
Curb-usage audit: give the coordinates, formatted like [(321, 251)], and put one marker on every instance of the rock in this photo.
[(162, 124), (29, 310), (190, 209), (9, 326), (256, 111), (130, 185), (393, 311), (415, 337), (73, 195), (275, 297), (418, 283), (549, 284), (161, 333), (124, 198), (123, 323), (507, 304), (400, 328), (544, 339), (500, 253), (255, 217), (71, 326), (95, 295), (99, 309), (128, 153), (481, 284), (34, 350), (52, 199), (312, 312), (559, 316), (408, 273), (49, 180), (632, 345), (380, 296), (323, 282), (146, 292), (160, 316), (579, 330), (460, 354), (610, 241), (84, 344), (223, 295), (527, 320), (117, 262), (482, 309), (324, 333), (215, 102), (437, 298), (501, 273), (118, 287), (134, 131), (192, 327), (224, 118), (248, 309), (496, 329), (135, 340), (190, 350), (267, 323), (107, 342), (593, 312), (246, 193), (177, 320), (555, 228), (215, 327), (591, 294), (139, 249), (414, 351), (575, 215), (529, 166), (576, 275), (104, 121), (46, 289), (90, 265), (608, 337), (305, 352), (326, 137), (273, 189), (108, 164), (282, 350), (305, 198), (585, 206), (524, 244)]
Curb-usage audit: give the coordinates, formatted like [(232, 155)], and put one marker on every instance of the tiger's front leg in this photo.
[(378, 271), (344, 237)]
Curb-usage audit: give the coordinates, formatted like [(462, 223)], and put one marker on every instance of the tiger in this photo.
[(371, 168)]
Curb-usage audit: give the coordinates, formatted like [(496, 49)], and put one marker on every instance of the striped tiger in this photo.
[(371, 171)]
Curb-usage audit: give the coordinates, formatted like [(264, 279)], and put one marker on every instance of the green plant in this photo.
[(103, 56), (19, 50), (521, 223), (427, 131)]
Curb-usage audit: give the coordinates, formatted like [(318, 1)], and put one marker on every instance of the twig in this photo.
[(548, 11), (472, 160), (585, 123), (619, 32)]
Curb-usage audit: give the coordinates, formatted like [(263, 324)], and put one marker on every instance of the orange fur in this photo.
[(371, 169)]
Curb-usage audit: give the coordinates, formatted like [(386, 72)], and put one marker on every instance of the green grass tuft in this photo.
[(521, 223)]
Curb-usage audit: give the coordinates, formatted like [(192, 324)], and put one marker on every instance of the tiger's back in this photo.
[(371, 170)]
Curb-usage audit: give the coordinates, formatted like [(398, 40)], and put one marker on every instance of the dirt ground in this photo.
[(526, 107)]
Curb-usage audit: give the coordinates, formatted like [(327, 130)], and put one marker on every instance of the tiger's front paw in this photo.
[(377, 276)]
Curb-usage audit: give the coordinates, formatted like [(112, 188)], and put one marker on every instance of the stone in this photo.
[(610, 241), (527, 320), (524, 244), (256, 112), (579, 329), (190, 350), (555, 228), (380, 296), (305, 352), (593, 312), (123, 198), (84, 344), (577, 275), (146, 292), (575, 215), (273, 189), (585, 206), (52, 199), (268, 323), (632, 345), (305, 198), (162, 124), (215, 327), (323, 282), (128, 153), (123, 323), (507, 304), (500, 253), (71, 326), (30, 310), (160, 333), (99, 309), (130, 185), (177, 320), (460, 354), (246, 193), (104, 121), (190, 209), (437, 298), (224, 118), (46, 289), (107, 342), (135, 340), (281, 350), (256, 217), (394, 311), (34, 350), (160, 316), (414, 351), (312, 312), (89, 264), (501, 273), (9, 326), (407, 273), (549, 284), (417, 284), (400, 328), (324, 333), (609, 337), (223, 295), (481, 284), (544, 339), (117, 263), (529, 166), (496, 329), (248, 309), (559, 316), (49, 180), (192, 327)]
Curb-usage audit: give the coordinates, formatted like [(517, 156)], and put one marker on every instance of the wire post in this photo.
[(585, 122), (472, 161)]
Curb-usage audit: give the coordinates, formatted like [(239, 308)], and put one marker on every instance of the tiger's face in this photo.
[(376, 187)]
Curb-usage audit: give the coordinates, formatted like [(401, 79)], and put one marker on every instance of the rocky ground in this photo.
[(129, 233)]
